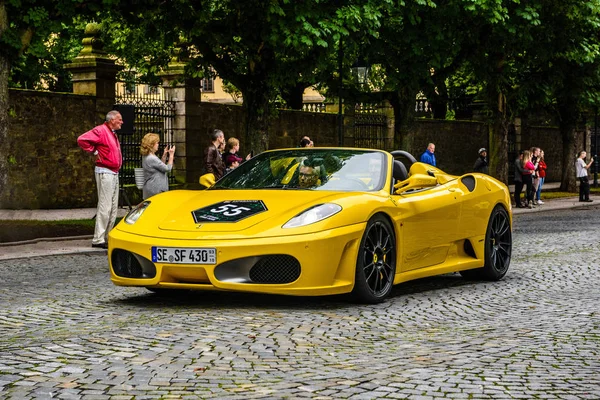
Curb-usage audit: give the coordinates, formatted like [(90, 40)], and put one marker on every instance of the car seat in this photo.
[(399, 171)]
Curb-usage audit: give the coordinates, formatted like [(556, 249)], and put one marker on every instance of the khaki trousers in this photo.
[(108, 203)]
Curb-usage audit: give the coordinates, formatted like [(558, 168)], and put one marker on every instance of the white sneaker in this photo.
[(540, 202)]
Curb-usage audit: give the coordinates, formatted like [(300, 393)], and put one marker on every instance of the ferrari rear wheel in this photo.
[(498, 248), (376, 263)]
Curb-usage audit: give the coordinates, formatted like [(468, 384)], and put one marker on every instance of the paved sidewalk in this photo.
[(53, 215), (82, 244), (50, 246)]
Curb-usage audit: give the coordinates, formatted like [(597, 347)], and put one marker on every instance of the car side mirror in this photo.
[(207, 180), (416, 181)]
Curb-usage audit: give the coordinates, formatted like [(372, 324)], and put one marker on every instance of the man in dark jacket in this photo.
[(213, 161), (481, 164)]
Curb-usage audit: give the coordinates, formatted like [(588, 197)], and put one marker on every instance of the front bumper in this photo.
[(325, 263)]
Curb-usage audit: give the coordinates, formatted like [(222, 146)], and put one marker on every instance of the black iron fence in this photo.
[(145, 109), (370, 126)]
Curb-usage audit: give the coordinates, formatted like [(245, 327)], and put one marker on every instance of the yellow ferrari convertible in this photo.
[(317, 221)]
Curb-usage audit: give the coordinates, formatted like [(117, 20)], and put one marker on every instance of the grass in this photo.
[(551, 194), (19, 230)]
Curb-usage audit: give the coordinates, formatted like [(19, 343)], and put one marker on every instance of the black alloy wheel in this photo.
[(376, 263), (498, 248)]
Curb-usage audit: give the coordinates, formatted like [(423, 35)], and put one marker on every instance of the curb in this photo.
[(52, 239)]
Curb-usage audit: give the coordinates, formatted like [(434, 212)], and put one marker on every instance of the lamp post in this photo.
[(340, 101), (596, 148)]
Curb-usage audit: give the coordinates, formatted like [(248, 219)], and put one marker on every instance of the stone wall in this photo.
[(47, 169), (456, 143), (286, 130), (550, 140), (229, 119)]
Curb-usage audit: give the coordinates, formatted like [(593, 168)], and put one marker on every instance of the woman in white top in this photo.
[(582, 174), (155, 169)]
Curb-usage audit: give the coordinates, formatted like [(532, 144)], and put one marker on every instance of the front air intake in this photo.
[(277, 268), (126, 265)]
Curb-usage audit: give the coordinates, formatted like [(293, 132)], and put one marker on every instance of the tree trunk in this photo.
[(439, 98), (4, 147), (498, 143), (403, 102), (568, 182), (256, 103), (498, 122), (4, 74), (293, 96)]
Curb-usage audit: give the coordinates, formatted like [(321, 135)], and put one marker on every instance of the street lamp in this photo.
[(340, 95), (595, 154), (360, 71)]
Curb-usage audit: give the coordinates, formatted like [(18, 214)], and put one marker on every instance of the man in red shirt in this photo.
[(103, 142)]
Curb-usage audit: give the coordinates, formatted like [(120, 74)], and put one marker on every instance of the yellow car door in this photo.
[(430, 218)]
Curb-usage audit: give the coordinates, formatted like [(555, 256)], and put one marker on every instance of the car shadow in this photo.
[(219, 300)]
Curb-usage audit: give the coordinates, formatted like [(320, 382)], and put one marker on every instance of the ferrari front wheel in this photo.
[(498, 248), (376, 263)]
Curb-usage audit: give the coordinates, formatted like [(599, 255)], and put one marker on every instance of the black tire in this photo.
[(498, 248), (376, 262)]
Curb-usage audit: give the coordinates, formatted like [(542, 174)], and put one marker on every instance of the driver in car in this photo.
[(308, 176)]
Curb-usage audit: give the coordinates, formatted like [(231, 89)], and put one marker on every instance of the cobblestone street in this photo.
[(68, 333)]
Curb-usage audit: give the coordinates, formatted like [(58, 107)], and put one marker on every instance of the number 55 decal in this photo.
[(229, 210)]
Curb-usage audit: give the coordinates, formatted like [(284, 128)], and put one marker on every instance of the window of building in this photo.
[(208, 84)]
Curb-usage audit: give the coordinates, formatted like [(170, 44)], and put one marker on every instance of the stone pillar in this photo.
[(94, 73), (190, 142)]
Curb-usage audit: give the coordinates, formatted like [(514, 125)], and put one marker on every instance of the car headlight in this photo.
[(136, 213), (313, 214)]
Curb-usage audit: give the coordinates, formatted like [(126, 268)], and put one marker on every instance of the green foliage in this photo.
[(39, 38), (231, 90)]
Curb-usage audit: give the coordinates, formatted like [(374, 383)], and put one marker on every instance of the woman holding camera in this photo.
[(155, 169)]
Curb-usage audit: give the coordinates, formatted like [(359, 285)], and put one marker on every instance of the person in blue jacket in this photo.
[(428, 157)]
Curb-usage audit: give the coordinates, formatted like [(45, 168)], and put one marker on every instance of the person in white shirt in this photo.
[(582, 174)]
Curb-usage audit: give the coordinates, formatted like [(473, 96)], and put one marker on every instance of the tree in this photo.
[(232, 91), (42, 66), (26, 24), (419, 46), (568, 69), (262, 48)]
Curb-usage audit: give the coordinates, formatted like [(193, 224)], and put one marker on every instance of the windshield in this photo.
[(309, 169)]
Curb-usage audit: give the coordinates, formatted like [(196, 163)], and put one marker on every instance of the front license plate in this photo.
[(182, 255)]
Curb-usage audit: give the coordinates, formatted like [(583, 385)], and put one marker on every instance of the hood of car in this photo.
[(236, 210)]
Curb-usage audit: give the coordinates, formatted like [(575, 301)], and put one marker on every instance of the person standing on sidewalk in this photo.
[(155, 169), (481, 164), (428, 156), (213, 160), (542, 176), (535, 178), (518, 179), (102, 141), (582, 175), (528, 170)]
